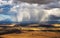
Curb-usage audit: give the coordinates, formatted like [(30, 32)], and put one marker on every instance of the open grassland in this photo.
[(32, 34), (31, 31)]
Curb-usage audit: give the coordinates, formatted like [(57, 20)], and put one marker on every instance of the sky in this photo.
[(14, 11)]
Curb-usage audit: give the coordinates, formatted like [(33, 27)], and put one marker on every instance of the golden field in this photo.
[(30, 32)]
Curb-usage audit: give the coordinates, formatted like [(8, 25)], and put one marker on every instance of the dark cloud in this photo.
[(38, 1)]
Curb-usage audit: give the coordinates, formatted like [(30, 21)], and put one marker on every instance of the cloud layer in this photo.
[(31, 13)]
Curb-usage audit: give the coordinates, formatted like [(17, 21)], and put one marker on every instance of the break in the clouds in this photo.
[(17, 11)]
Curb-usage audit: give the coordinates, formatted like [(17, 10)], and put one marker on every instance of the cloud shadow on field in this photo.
[(10, 32)]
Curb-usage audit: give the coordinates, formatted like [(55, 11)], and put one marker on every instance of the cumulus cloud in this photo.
[(27, 12), (39, 12)]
